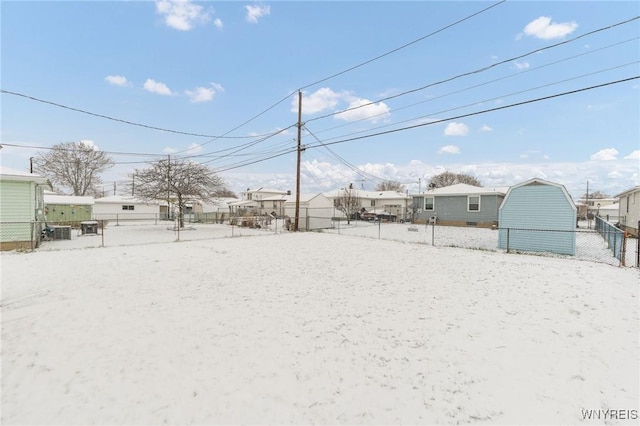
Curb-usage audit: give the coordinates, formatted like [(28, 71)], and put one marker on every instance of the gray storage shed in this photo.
[(540, 216)]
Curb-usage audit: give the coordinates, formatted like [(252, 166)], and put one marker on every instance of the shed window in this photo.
[(473, 203), (127, 207), (428, 203)]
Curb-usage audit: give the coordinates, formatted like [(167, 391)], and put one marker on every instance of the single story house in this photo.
[(21, 209), (629, 210), (459, 205), (125, 207), (538, 216)]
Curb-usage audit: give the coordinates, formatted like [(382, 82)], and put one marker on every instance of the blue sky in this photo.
[(408, 70)]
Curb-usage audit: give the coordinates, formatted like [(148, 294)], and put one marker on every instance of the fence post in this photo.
[(623, 249), (508, 239), (32, 233), (102, 231), (638, 245), (433, 233)]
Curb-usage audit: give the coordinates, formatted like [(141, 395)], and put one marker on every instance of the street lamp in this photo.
[(598, 211)]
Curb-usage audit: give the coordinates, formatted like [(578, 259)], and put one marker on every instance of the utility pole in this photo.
[(30, 164), (587, 204), (297, 218), (168, 188), (114, 188)]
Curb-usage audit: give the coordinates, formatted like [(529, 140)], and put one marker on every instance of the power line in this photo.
[(479, 70), (584, 89), (404, 45), (358, 66), (485, 100), (481, 85), (131, 123), (480, 112)]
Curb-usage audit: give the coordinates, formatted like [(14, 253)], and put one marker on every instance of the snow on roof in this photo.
[(119, 199), (50, 198), (628, 191), (266, 190), (11, 174), (465, 189), (374, 195)]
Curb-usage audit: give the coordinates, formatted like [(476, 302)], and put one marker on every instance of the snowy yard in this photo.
[(311, 328)]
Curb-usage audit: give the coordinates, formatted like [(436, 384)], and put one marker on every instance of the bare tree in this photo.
[(449, 178), (75, 166), (178, 182), (390, 185), (348, 202)]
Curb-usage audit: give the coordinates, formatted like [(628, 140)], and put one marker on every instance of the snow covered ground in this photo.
[(311, 328)]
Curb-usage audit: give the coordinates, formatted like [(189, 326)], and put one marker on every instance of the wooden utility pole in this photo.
[(297, 218)]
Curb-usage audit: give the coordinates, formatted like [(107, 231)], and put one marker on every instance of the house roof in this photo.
[(370, 195), (304, 198), (628, 191), (466, 189), (17, 175), (243, 203), (265, 190), (50, 198), (119, 199), (538, 181)]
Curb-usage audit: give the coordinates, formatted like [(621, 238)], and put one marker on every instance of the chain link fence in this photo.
[(602, 244)]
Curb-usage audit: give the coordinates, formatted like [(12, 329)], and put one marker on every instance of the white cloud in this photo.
[(256, 12), (325, 99), (204, 94), (486, 128), (607, 154), (521, 65), (456, 129), (156, 87), (182, 15), (89, 144), (635, 155), (363, 109), (117, 80), (218, 23), (320, 100), (544, 29), (449, 149), (169, 150)]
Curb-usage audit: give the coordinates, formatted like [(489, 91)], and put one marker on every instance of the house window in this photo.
[(262, 204), (127, 207), (275, 205), (373, 203), (428, 203), (473, 203)]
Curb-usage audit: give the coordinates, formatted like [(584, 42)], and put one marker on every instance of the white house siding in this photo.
[(629, 210), (529, 213), (111, 208)]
